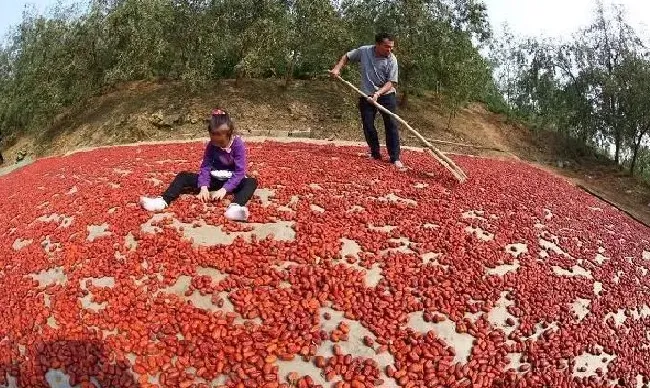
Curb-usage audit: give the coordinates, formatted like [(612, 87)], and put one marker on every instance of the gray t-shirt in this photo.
[(375, 70)]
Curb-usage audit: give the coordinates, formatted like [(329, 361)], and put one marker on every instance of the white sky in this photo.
[(559, 18), (555, 18)]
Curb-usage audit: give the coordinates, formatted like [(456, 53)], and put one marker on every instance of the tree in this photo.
[(634, 76)]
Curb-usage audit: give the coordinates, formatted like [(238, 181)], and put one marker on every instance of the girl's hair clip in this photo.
[(218, 112)]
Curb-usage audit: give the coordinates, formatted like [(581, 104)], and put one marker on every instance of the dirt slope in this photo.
[(146, 111)]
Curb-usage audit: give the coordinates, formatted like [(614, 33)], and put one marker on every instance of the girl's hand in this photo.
[(218, 195), (204, 195)]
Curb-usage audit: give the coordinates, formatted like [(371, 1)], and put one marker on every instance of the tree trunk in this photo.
[(452, 115), (292, 65), (635, 152), (617, 144)]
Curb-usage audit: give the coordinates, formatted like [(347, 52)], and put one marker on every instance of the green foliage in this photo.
[(56, 61), (594, 89)]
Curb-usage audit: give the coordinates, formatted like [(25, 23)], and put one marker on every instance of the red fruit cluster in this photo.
[(125, 307)]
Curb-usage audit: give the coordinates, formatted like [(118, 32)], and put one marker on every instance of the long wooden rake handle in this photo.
[(439, 156)]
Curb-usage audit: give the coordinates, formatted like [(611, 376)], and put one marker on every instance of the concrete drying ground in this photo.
[(513, 252)]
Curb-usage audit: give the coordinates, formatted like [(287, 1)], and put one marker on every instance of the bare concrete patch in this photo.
[(600, 259), (385, 229), (264, 195), (548, 215), (349, 247), (394, 198), (97, 231), (130, 243), (431, 258), (216, 275), (355, 209), (49, 246), (293, 200), (619, 317), (480, 233), (355, 344), (421, 185), (539, 330), (122, 172), (517, 249), (209, 235), (587, 364), (402, 247), (315, 186), (580, 308), (515, 362), (548, 245), (473, 215), (446, 331), (155, 181), (51, 322), (112, 210), (73, 190), (57, 379), (50, 277), (473, 317), (641, 313), (316, 208), (499, 316), (20, 244), (430, 226), (12, 382), (63, 220), (199, 301), (86, 301), (373, 275), (285, 265), (576, 270), (302, 368), (646, 255), (598, 287), (171, 160), (503, 269)]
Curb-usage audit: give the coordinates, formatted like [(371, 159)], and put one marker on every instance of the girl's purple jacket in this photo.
[(231, 159)]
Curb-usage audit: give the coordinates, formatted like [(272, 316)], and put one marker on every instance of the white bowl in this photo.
[(221, 174)]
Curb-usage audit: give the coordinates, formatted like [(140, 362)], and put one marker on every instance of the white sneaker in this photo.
[(399, 165), (235, 212), (153, 204)]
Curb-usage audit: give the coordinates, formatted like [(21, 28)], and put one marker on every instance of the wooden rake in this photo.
[(436, 153)]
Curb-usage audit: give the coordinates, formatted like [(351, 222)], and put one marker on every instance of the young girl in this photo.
[(223, 169)]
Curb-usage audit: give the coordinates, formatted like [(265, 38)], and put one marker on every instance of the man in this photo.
[(378, 79)]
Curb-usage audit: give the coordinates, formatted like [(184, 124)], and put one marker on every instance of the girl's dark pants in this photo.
[(187, 181)]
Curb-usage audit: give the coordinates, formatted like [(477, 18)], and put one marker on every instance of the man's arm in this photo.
[(354, 55), (387, 86), (336, 71)]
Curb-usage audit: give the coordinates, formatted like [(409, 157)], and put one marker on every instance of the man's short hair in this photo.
[(379, 38)]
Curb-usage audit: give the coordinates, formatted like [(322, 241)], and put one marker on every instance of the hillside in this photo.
[(323, 109)]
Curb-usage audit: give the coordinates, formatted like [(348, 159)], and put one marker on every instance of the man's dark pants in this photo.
[(368, 113)]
